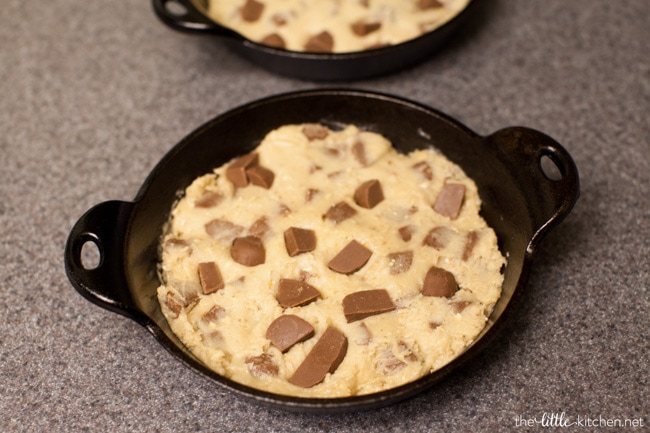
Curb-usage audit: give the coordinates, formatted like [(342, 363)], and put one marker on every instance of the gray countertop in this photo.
[(92, 95)]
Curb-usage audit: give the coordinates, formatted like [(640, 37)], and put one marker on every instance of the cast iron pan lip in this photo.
[(127, 307), (196, 21)]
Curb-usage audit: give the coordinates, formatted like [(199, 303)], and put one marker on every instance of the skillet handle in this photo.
[(182, 15), (546, 173), (105, 284)]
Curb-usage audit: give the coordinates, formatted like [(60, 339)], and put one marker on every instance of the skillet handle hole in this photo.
[(175, 9), (90, 256), (551, 168)]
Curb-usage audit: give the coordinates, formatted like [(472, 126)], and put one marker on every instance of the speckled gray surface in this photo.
[(92, 94)]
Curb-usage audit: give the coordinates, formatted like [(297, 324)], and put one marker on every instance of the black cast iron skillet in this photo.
[(521, 201), (191, 16)]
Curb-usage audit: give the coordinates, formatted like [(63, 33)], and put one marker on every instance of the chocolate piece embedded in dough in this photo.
[(209, 199), (470, 243), (299, 240), (295, 293), (323, 42), (428, 4), (274, 40), (438, 237), (315, 131), (450, 200), (260, 176), (350, 259), (252, 10), (359, 305), (210, 277), (400, 262), (287, 330), (369, 194), (236, 171), (340, 212), (325, 357), (248, 251), (439, 282), (362, 28)]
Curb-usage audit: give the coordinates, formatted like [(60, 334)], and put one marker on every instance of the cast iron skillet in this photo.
[(521, 202), (190, 16)]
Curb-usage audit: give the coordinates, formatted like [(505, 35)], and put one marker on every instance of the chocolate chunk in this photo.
[(223, 230), (434, 325), (260, 228), (369, 194), (262, 365), (406, 232), (359, 305), (310, 194), (340, 212), (472, 239), (450, 200), (389, 364), (299, 240), (400, 262), (176, 243), (213, 314), (325, 357), (295, 293), (210, 277), (248, 251), (439, 282), (315, 131), (208, 199), (212, 338), (438, 237), (260, 176), (236, 171), (173, 304), (350, 259), (362, 28), (287, 330), (252, 10), (274, 40), (320, 43), (428, 4), (459, 306), (359, 152), (424, 168)]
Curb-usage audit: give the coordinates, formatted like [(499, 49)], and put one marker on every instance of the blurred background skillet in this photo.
[(191, 16), (527, 181)]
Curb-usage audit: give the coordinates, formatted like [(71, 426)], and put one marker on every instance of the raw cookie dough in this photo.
[(326, 264), (333, 25)]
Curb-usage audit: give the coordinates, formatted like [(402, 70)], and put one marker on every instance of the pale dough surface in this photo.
[(386, 350), (298, 20)]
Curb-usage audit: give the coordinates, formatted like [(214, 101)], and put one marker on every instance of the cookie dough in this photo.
[(327, 264), (333, 25)]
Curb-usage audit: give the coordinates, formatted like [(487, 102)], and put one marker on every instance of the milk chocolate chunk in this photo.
[(287, 330), (209, 199), (362, 28), (210, 277), (214, 314), (470, 243), (299, 240), (236, 171), (295, 293), (400, 262), (359, 152), (424, 168), (325, 357), (340, 212), (274, 40), (369, 194), (406, 232), (323, 42), (260, 228), (438, 237), (359, 305), (315, 131), (252, 10), (260, 176), (223, 230), (439, 282), (262, 365), (450, 200), (459, 306), (428, 4), (248, 251), (350, 259), (173, 304)]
